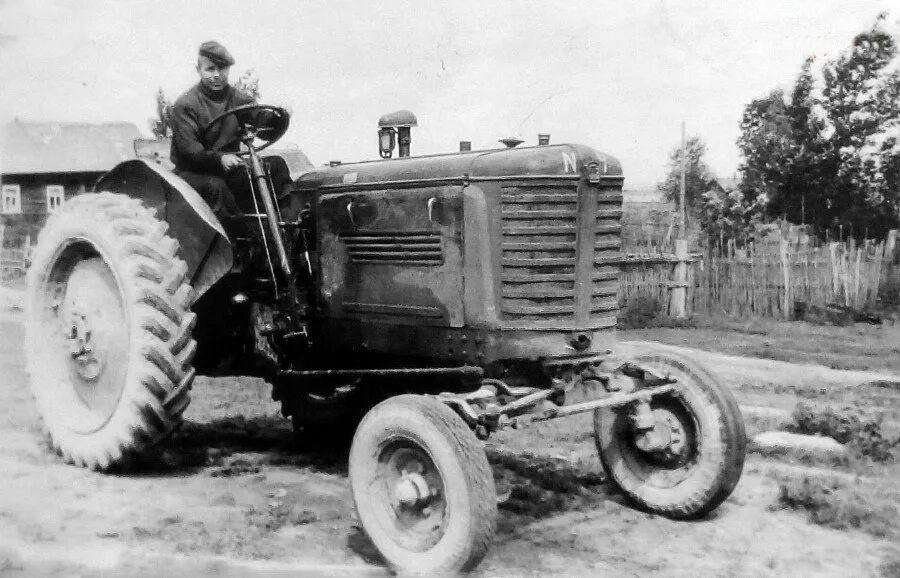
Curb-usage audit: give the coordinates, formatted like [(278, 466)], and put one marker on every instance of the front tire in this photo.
[(108, 330), (704, 460), (423, 488)]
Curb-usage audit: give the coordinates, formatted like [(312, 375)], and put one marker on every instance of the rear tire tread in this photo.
[(157, 295)]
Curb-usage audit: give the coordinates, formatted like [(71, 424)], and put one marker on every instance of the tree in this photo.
[(767, 146), (249, 83), (697, 175), (162, 124), (830, 156), (726, 215)]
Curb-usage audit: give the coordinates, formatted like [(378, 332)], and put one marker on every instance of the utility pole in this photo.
[(682, 193), (679, 285)]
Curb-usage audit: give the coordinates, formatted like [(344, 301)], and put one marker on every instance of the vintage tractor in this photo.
[(426, 301)]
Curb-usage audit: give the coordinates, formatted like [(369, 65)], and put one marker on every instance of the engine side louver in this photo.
[(394, 247)]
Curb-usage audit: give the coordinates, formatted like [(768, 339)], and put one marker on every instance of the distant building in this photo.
[(646, 217), (642, 193), (42, 164)]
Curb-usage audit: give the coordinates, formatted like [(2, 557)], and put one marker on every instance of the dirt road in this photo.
[(231, 495)]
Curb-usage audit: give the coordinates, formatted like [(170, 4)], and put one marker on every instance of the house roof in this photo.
[(62, 147)]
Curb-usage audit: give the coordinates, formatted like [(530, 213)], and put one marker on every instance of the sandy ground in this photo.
[(233, 496)]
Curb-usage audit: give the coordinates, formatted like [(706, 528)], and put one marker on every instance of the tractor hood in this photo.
[(550, 160)]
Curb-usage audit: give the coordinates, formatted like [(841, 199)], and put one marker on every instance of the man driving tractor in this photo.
[(205, 155)]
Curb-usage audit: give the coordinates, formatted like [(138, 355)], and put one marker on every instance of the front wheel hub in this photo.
[(667, 436), (412, 489)]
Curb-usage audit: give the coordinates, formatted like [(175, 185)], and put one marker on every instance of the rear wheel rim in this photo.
[(88, 334)]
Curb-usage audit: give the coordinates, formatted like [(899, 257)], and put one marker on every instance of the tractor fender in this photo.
[(204, 245)]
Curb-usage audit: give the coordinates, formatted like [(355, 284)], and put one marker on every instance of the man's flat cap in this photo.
[(217, 53)]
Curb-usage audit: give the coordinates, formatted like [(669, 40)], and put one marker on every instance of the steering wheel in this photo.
[(275, 124)]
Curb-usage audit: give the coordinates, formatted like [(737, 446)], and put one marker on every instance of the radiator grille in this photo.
[(538, 260), (607, 256), (540, 256), (394, 247)]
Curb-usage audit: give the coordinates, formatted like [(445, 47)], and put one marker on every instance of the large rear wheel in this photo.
[(700, 461), (108, 330), (422, 485)]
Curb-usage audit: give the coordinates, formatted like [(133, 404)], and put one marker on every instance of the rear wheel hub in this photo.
[(88, 362), (95, 338)]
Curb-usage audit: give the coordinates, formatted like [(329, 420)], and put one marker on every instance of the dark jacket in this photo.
[(192, 112)]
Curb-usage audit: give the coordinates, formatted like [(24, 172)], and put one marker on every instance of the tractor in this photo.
[(422, 302)]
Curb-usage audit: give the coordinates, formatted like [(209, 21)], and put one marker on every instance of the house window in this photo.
[(11, 200), (56, 196)]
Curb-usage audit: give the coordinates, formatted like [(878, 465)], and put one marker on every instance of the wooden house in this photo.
[(42, 164)]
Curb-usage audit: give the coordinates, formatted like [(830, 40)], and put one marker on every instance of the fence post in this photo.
[(678, 291), (834, 261), (890, 247), (786, 273)]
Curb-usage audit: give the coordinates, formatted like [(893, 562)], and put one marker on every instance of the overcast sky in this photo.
[(619, 76)]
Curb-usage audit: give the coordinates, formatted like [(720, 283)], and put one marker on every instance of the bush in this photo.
[(812, 420), (848, 426), (647, 312), (872, 444), (640, 312)]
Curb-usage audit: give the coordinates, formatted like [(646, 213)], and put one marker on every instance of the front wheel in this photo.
[(703, 456), (423, 489)]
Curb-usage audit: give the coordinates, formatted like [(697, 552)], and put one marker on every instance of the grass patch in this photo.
[(867, 502), (890, 565), (838, 504), (855, 347)]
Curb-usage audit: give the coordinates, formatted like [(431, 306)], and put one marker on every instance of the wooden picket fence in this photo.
[(774, 279), (769, 279), (13, 257), (650, 278)]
